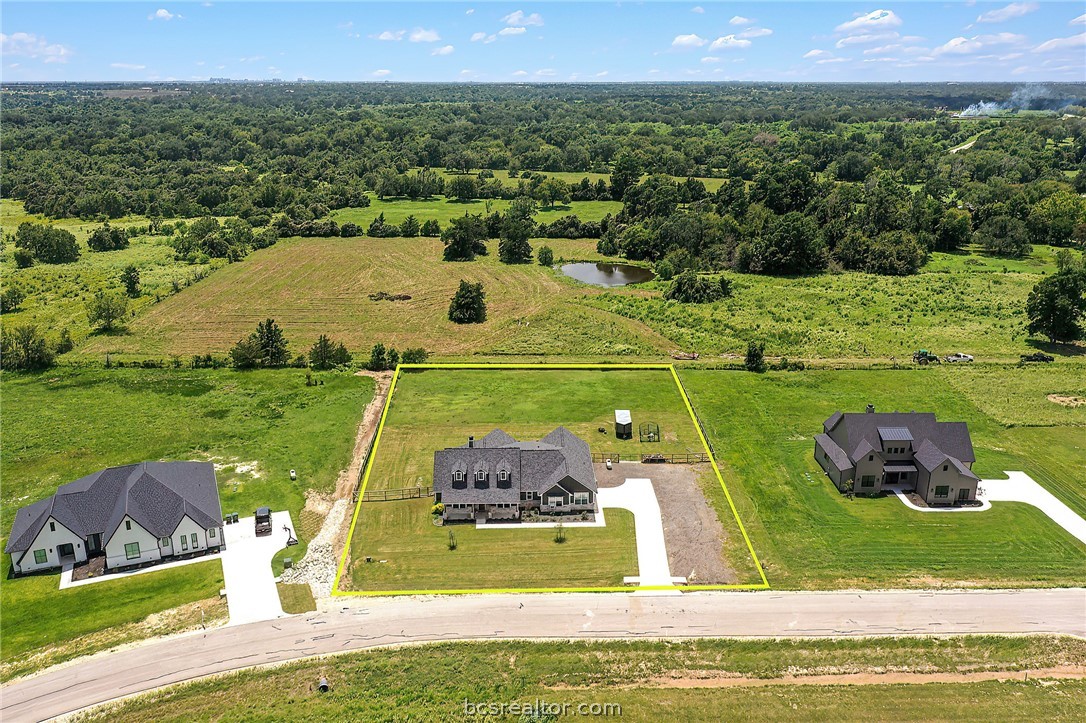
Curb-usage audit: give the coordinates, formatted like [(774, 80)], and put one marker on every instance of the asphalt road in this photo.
[(366, 623)]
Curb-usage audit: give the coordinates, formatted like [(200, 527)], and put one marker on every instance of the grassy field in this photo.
[(809, 536), (322, 286), (68, 422), (56, 293), (444, 210), (313, 286), (434, 409), (952, 305), (42, 625), (648, 680)]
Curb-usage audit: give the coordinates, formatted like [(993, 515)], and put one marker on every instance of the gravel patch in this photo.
[(692, 531)]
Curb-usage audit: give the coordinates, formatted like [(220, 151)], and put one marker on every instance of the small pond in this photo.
[(606, 274)]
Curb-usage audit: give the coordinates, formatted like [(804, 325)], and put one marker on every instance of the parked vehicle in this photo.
[(1038, 356), (958, 357), (263, 521)]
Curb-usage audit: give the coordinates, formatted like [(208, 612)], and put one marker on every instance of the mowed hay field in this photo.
[(317, 286), (438, 408)]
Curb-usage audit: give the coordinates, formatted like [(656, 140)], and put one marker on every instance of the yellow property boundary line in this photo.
[(763, 585)]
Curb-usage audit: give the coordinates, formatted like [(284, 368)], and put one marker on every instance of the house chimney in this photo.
[(870, 408), (471, 442)]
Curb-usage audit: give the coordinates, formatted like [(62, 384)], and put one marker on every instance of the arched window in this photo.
[(480, 476), (503, 476), (458, 476)]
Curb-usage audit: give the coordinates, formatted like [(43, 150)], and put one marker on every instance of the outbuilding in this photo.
[(623, 424)]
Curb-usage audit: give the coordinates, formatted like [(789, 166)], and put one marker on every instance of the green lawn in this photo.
[(807, 535), (650, 681), (438, 408), (43, 625), (68, 422)]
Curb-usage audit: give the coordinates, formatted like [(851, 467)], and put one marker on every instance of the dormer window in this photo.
[(480, 476), (503, 476), (458, 476)]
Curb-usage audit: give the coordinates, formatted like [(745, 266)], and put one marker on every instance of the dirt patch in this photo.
[(692, 531), (726, 680), (1066, 401), (94, 567)]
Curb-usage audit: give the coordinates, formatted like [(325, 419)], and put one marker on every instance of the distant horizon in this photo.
[(544, 42)]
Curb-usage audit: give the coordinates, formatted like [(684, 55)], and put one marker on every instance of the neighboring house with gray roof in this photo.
[(131, 515), (497, 477), (873, 449)]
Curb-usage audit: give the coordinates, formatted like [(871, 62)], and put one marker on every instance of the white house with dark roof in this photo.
[(131, 515), (497, 477), (913, 450)]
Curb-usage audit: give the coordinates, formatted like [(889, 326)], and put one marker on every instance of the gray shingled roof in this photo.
[(930, 456), (836, 454), (534, 466), (853, 430), (154, 494)]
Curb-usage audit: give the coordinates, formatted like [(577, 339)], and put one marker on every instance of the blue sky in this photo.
[(545, 41)]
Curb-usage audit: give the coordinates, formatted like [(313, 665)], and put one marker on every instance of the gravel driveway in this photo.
[(692, 531)]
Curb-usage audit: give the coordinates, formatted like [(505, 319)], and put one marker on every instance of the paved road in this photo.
[(364, 623)]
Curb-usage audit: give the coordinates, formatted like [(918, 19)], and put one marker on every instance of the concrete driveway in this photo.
[(638, 496), (1020, 487), (251, 594)]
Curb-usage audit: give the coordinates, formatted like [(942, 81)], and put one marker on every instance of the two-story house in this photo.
[(867, 451)]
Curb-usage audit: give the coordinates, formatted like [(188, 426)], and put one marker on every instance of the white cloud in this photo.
[(512, 31), (740, 20), (251, 58), (29, 45), (1080, 20), (729, 41), (1011, 56), (816, 53), (1075, 41), (520, 73), (755, 33), (1014, 10), (697, 9), (443, 50), (476, 37), (381, 73), (470, 11), (546, 72), (346, 26), (874, 19), (864, 38), (389, 35), (966, 46), (520, 18), (164, 14), (602, 74), (422, 35), (710, 59), (882, 49), (127, 66), (831, 60), (688, 41)]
